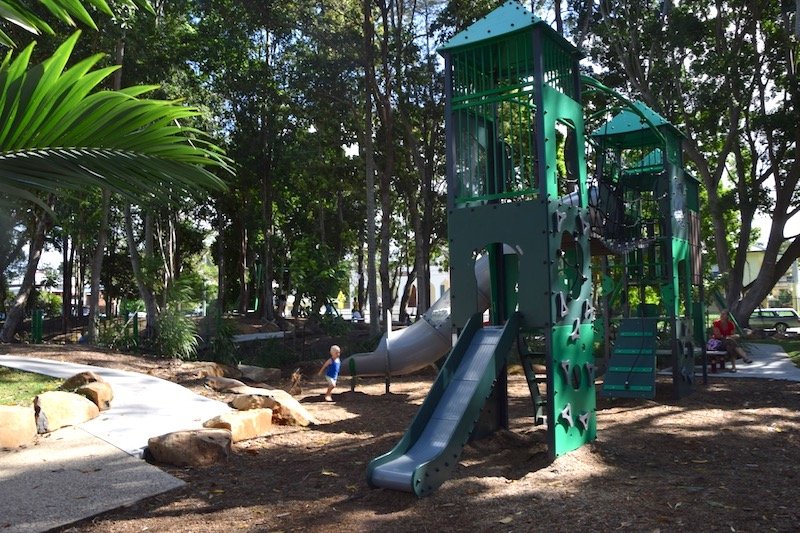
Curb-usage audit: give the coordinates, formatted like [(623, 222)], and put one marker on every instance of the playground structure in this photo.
[(517, 180)]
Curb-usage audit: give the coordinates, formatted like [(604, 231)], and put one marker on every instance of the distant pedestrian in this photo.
[(332, 364)]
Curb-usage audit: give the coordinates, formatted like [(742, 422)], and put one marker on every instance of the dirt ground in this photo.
[(725, 458)]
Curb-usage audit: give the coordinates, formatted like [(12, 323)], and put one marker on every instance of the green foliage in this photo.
[(65, 11), (268, 353), (116, 334), (223, 349), (177, 335), (335, 326), (19, 388), (48, 302), (61, 132)]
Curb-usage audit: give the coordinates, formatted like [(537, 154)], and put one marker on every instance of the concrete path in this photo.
[(143, 406), (769, 362), (75, 473), (68, 476)]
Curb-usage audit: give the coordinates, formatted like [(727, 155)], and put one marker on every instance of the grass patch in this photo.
[(19, 388), (790, 346)]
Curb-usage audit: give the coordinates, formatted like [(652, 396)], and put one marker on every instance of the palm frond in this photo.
[(67, 11), (58, 130)]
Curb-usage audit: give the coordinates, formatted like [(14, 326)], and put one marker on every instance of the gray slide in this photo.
[(422, 343), (429, 450)]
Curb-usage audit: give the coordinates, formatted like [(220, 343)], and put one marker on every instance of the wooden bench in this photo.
[(715, 358)]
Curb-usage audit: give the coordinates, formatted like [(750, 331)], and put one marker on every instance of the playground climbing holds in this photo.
[(583, 419), (561, 304), (566, 366), (576, 330), (590, 371), (566, 414), (558, 220)]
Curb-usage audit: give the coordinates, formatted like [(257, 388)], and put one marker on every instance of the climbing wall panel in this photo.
[(571, 396)]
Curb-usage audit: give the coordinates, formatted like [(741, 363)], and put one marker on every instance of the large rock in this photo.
[(99, 392), (221, 384), (285, 409), (243, 425), (245, 402), (260, 374), (17, 426), (57, 409), (220, 370), (199, 447), (79, 380)]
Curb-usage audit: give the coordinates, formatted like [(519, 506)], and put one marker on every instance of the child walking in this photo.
[(333, 364)]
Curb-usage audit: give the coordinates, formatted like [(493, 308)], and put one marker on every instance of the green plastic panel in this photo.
[(572, 407), (511, 17)]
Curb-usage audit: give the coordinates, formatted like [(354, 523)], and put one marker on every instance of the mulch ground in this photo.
[(725, 458)]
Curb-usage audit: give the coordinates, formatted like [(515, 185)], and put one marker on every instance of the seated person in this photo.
[(356, 315), (724, 331)]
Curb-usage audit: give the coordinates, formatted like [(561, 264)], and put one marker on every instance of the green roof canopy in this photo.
[(509, 18), (631, 129)]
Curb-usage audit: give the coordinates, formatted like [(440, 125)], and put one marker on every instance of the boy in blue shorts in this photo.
[(333, 364)]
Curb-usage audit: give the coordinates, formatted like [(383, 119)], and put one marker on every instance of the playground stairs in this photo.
[(632, 368), (536, 376)]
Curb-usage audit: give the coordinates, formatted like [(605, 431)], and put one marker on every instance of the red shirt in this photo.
[(727, 330)]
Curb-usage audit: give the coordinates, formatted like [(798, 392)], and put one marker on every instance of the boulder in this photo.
[(57, 409), (221, 384), (271, 327), (17, 426), (290, 412), (245, 402), (99, 393), (260, 374), (220, 370), (79, 380), (285, 409), (243, 425), (199, 447)]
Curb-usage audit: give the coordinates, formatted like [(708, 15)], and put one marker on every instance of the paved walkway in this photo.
[(75, 473), (143, 406), (769, 362)]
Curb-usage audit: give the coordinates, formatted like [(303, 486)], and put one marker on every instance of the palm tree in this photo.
[(57, 131)]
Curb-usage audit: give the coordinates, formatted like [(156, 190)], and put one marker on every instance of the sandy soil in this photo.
[(726, 458)]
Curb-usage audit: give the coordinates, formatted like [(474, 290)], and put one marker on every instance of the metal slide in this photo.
[(425, 456), (422, 343)]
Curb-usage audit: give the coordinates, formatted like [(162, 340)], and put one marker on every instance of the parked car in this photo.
[(778, 318)]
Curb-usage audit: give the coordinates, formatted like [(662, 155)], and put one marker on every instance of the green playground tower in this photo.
[(645, 217), (517, 191)]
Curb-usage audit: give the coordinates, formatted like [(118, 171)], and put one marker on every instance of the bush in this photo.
[(334, 326), (223, 349), (48, 302), (177, 335), (116, 335)]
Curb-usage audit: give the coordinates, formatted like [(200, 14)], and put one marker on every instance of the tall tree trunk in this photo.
[(66, 284), (369, 164), (97, 266), (267, 271), (244, 289), (17, 312), (145, 291), (386, 112), (221, 288)]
